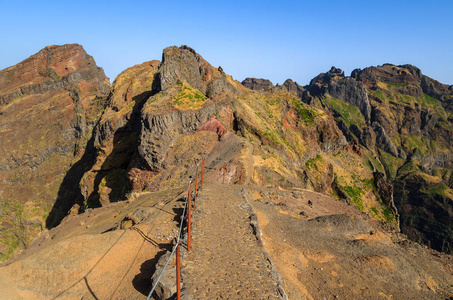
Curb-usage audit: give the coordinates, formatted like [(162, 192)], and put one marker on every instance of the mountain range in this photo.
[(379, 142)]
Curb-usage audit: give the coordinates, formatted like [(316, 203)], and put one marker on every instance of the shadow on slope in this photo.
[(70, 192)]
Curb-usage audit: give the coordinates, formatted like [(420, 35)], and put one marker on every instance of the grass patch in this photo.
[(374, 210), (306, 113), (350, 113), (388, 215), (355, 193), (13, 230), (188, 97), (311, 163)]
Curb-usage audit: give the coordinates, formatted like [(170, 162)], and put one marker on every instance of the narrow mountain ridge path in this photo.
[(227, 260)]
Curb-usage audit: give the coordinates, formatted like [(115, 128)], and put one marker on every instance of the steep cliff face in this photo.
[(415, 112), (115, 139), (49, 104), (402, 121)]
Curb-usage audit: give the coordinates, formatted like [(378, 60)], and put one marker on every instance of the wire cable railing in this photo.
[(176, 247)]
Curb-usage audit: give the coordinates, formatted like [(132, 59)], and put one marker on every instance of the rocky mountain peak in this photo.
[(57, 96), (344, 88), (49, 70), (257, 84), (183, 63)]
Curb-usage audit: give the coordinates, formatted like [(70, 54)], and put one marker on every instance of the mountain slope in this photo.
[(402, 121), (379, 142), (49, 104)]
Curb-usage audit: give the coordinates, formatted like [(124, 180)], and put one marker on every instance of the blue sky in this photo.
[(265, 39)]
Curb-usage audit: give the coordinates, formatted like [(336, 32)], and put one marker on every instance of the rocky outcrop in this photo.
[(385, 192), (257, 84), (185, 64), (290, 86), (383, 141), (405, 78), (159, 132), (345, 88), (50, 70), (435, 89)]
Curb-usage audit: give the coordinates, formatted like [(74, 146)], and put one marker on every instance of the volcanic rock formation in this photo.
[(49, 104), (379, 141)]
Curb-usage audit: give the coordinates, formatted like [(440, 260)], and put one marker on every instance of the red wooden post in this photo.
[(224, 168), (202, 174), (188, 222), (240, 177), (196, 188), (178, 272)]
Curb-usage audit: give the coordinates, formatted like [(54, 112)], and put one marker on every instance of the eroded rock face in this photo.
[(185, 64), (159, 131), (426, 211), (257, 84), (406, 77), (340, 87), (412, 110), (353, 92), (49, 104), (50, 70), (383, 141)]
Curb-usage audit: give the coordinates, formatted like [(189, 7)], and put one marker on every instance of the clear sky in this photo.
[(265, 39)]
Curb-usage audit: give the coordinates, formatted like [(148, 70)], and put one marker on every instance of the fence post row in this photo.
[(273, 180), (186, 215)]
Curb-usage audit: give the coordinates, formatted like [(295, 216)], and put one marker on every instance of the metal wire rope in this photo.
[(177, 241)]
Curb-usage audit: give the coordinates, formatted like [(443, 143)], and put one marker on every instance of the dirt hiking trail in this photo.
[(227, 260)]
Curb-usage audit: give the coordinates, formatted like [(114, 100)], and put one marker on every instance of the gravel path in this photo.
[(227, 260)]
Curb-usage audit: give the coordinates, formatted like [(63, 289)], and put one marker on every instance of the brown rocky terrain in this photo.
[(49, 104), (332, 170)]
